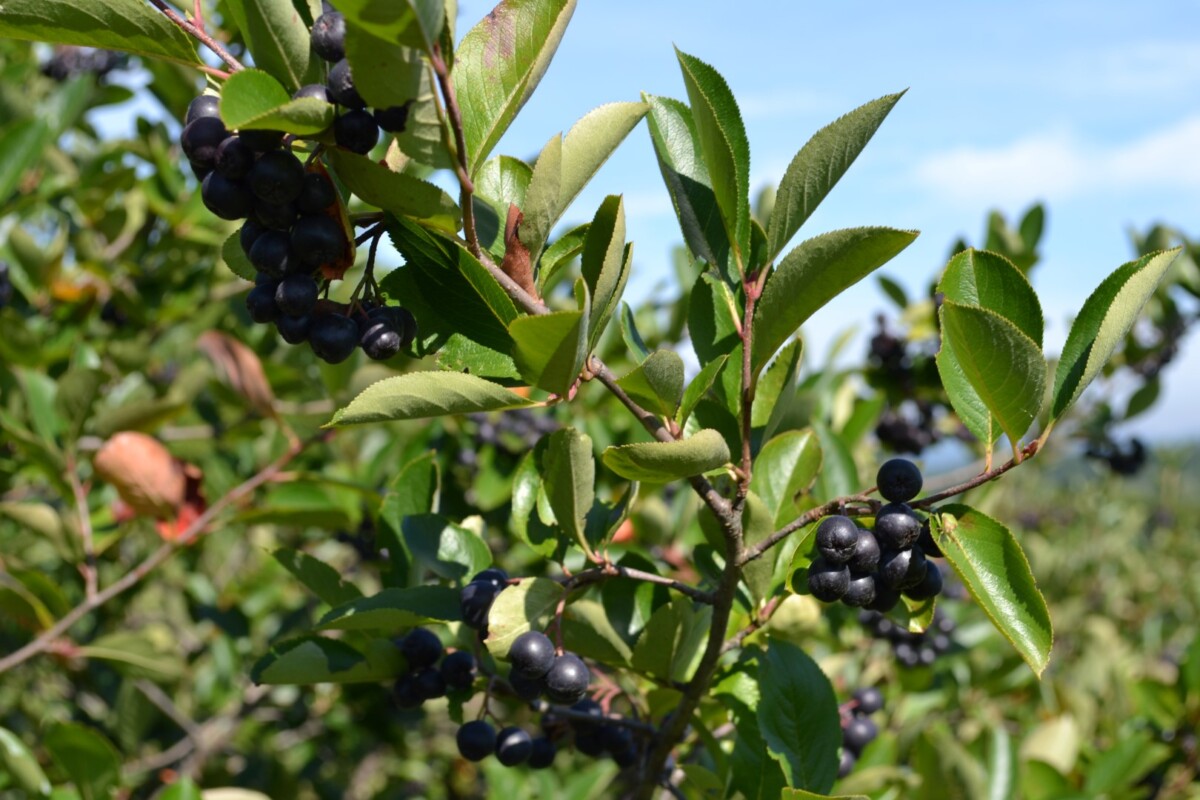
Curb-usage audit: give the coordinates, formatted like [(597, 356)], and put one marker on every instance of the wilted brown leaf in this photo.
[(240, 368)]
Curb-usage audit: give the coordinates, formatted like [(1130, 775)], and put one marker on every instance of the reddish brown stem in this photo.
[(462, 162)]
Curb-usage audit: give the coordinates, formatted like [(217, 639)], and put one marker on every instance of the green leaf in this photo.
[(713, 318), (540, 208), (698, 387), (677, 145), (1003, 365), (89, 760), (499, 63), (235, 257), (526, 606), (128, 25), (839, 473), (800, 794), (755, 774), (724, 147), (393, 610), (995, 571), (1118, 770), (569, 475), (182, 789), (798, 717), (22, 143), (252, 99), (563, 251), (787, 465), (657, 383), (78, 389), (671, 644), (417, 23), (386, 74), (418, 395), (893, 290), (666, 461), (279, 40), (631, 335), (1102, 323), (812, 274), (317, 576), (445, 548), (149, 653), (397, 192), (21, 764), (588, 632), (550, 349), (524, 520), (604, 263), (758, 524), (776, 388), (819, 165), (316, 659)]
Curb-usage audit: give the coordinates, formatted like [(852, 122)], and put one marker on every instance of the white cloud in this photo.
[(1059, 164)]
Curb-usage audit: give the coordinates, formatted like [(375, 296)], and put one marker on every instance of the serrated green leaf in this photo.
[(1003, 365), (426, 394), (550, 349), (787, 465), (278, 38), (528, 605), (253, 100), (812, 274), (562, 252), (393, 610), (236, 259), (317, 576), (671, 644), (128, 25), (316, 659), (569, 475), (819, 165), (588, 632), (604, 263), (666, 461), (724, 147), (21, 764), (386, 74), (499, 63), (417, 23), (397, 192), (995, 571), (1105, 318), (540, 208), (89, 760), (798, 717), (657, 383)]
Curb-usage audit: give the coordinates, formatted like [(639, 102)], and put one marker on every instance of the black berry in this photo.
[(277, 177), (316, 195), (380, 341), (528, 689), (837, 537), (542, 753), (495, 576), (329, 36), (278, 217), (860, 591), (206, 105), (859, 732), (234, 158), (333, 337), (589, 743), (356, 131), (225, 198), (429, 683), (315, 90), (421, 647), (897, 527), (269, 254), (904, 568), (341, 86), (513, 746), (865, 558), (392, 120), (260, 302), (476, 740), (846, 763), (930, 585), (827, 582), (406, 693), (568, 679), (317, 240), (476, 601), (926, 542), (885, 600), (869, 700), (249, 234), (200, 140), (262, 141), (294, 330), (532, 654), (458, 670), (296, 295), (899, 480)]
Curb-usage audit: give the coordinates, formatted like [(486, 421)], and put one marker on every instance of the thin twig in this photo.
[(759, 621), (199, 35), (1028, 451), (609, 571), (88, 567), (461, 167)]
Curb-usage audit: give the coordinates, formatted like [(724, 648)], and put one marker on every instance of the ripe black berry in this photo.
[(234, 158), (260, 302), (406, 693), (568, 679), (542, 753), (315, 90), (926, 542), (294, 330), (869, 700), (262, 141), (865, 558), (477, 597), (476, 740), (333, 337), (827, 582), (625, 757), (904, 568), (225, 198), (316, 195), (249, 233), (846, 763), (277, 177), (296, 295), (429, 683), (380, 341), (897, 527), (495, 576), (528, 689), (200, 140), (356, 131), (392, 120), (329, 36), (589, 743), (421, 648), (513, 746), (458, 670), (837, 537), (930, 585), (885, 600), (206, 105), (317, 240), (899, 480), (276, 217), (860, 591), (859, 732), (341, 86), (269, 253), (532, 654)]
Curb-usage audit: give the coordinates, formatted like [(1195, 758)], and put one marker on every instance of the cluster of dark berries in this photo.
[(858, 730), (538, 668), (355, 128), (516, 431), (906, 424), (871, 569), (423, 681), (1121, 459), (594, 733), (912, 649), (69, 61), (513, 746), (478, 595)]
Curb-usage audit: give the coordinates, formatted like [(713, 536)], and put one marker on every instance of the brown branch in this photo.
[(47, 638), (1028, 451), (610, 571), (461, 166), (752, 290), (199, 35)]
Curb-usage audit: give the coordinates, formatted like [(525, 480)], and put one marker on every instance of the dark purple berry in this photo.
[(333, 338), (846, 763), (476, 740), (356, 131), (421, 647), (542, 753), (296, 295), (275, 216), (513, 746), (591, 708), (249, 234), (859, 732), (897, 527), (234, 158), (869, 700), (930, 585), (206, 105), (899, 480), (200, 140), (532, 654), (837, 537), (277, 177), (294, 330), (260, 302), (495, 576), (477, 598), (316, 195), (262, 141), (865, 558), (860, 591), (329, 36), (318, 91), (341, 86), (429, 683), (380, 341), (225, 198), (885, 600), (528, 689), (903, 569), (458, 670), (568, 679), (406, 693), (317, 240), (392, 120), (926, 542), (827, 582), (589, 743), (269, 253)]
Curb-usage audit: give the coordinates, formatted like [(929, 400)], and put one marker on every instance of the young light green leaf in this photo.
[(819, 165), (1102, 323), (22, 765), (561, 253), (393, 610), (549, 349), (253, 99), (656, 383), (527, 606), (540, 208), (724, 147), (786, 466), (698, 387), (812, 274), (800, 794), (426, 394), (1003, 365), (417, 23), (757, 524), (499, 63), (995, 571), (397, 192), (315, 659), (569, 475), (798, 717), (128, 25), (589, 633), (317, 576), (279, 40), (666, 461)]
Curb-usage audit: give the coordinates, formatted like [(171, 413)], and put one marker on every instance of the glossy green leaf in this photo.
[(279, 40), (89, 760), (666, 461), (671, 645), (812, 274), (22, 765), (528, 605), (252, 99), (129, 25), (995, 571), (1003, 365), (839, 472), (386, 73), (657, 383), (524, 520), (411, 22), (724, 147), (753, 772), (499, 63), (426, 394), (393, 610), (569, 475), (798, 716), (696, 390), (1105, 318), (776, 388), (317, 576), (757, 524), (443, 547), (397, 192), (819, 165), (787, 465), (603, 263), (316, 659), (1002, 764), (550, 349)]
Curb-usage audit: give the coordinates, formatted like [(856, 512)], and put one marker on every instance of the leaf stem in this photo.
[(462, 162), (199, 34)]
